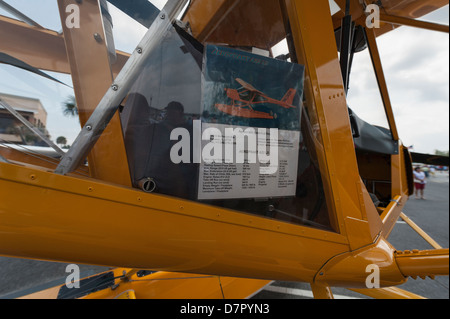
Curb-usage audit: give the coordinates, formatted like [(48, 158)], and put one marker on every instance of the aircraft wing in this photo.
[(247, 86), (430, 159), (410, 9)]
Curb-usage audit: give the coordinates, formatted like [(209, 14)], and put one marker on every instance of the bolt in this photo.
[(98, 37), (139, 50), (115, 87), (163, 16), (88, 127)]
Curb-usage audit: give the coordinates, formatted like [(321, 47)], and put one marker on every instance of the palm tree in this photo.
[(70, 107), (61, 140)]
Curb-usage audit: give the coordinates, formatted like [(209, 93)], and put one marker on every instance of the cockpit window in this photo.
[(226, 125)]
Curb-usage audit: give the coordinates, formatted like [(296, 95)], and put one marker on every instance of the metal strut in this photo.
[(19, 14), (347, 33)]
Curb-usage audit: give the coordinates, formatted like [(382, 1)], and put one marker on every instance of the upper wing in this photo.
[(411, 9), (247, 86)]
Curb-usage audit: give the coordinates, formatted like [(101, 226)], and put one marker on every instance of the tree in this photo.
[(70, 107), (441, 153), (61, 140)]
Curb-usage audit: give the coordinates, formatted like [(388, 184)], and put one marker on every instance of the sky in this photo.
[(415, 61)]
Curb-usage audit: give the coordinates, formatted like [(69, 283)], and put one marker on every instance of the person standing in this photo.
[(419, 182)]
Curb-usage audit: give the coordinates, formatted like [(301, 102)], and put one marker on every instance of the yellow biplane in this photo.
[(327, 234)]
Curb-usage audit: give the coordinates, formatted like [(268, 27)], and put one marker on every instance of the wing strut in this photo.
[(347, 32), (10, 60), (19, 14)]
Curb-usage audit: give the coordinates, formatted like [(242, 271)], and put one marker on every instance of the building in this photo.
[(12, 130)]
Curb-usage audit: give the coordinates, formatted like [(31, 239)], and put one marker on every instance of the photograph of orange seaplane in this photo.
[(245, 98)]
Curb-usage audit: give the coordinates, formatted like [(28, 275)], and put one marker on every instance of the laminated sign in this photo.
[(251, 109)]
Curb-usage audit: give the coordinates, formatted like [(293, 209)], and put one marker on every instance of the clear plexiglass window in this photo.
[(223, 120)]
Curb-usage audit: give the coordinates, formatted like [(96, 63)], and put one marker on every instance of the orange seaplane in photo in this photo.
[(244, 98)]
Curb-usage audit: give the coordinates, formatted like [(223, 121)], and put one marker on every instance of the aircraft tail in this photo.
[(289, 97)]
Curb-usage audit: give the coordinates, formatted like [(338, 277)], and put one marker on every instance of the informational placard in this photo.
[(263, 171), (251, 116)]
